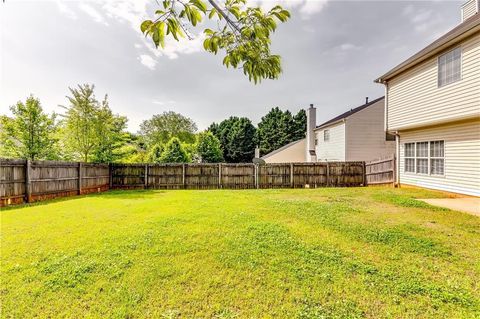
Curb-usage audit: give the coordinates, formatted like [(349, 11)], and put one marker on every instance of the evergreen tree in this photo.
[(155, 153), (30, 133), (237, 139), (174, 152), (241, 141), (300, 125), (273, 131), (208, 148), (278, 128)]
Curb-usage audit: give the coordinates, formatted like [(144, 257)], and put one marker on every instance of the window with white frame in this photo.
[(326, 135), (410, 157), (449, 67), (425, 157), (437, 157), (421, 156)]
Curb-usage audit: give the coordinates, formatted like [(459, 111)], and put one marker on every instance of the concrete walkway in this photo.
[(469, 205)]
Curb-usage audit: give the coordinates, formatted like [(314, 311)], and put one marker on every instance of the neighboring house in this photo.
[(291, 153), (433, 108), (356, 135)]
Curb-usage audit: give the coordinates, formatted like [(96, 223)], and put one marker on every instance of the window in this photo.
[(316, 141), (326, 135), (425, 157), (437, 157), (422, 158), (449, 67), (410, 157)]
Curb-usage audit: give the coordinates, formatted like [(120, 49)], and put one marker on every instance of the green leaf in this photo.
[(200, 5), (145, 25)]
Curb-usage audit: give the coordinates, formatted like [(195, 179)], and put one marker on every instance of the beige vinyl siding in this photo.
[(365, 134), (469, 9), (295, 153), (334, 149), (462, 157), (414, 98)]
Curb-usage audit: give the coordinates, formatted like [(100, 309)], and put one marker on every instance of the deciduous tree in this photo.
[(243, 32), (30, 133), (163, 127)]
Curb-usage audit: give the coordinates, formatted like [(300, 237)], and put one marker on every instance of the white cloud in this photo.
[(349, 46), (307, 8), (65, 10), (159, 102), (311, 7), (423, 20), (93, 13), (148, 61), (134, 12)]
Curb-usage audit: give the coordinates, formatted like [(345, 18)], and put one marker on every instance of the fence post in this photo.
[(219, 175), (28, 185), (256, 170), (110, 175), (79, 185), (364, 174), (291, 175), (145, 177), (183, 175), (328, 174)]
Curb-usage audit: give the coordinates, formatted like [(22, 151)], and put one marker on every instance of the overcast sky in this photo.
[(332, 51)]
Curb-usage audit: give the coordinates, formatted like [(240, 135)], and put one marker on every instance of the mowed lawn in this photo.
[(311, 253)]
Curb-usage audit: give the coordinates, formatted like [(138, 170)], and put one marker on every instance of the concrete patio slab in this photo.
[(469, 205)]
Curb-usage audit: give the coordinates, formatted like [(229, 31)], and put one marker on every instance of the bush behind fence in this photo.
[(30, 181)]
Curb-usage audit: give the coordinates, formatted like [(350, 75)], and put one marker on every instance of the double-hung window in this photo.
[(427, 158), (449, 67), (410, 157), (437, 157), (326, 135), (422, 158)]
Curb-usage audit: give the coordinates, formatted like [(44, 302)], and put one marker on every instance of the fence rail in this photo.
[(30, 181)]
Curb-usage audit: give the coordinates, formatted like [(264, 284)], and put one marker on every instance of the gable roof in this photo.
[(454, 36), (282, 148), (349, 113)]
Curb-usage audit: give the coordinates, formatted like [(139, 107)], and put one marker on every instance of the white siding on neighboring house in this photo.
[(414, 98), (469, 9), (462, 157), (365, 134), (291, 153), (334, 148)]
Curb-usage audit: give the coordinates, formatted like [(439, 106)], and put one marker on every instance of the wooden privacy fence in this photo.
[(29, 181), (380, 171), (236, 176)]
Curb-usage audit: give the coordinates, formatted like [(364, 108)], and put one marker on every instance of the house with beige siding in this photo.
[(433, 108), (355, 135)]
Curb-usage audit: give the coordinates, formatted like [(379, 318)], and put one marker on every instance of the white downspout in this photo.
[(397, 159)]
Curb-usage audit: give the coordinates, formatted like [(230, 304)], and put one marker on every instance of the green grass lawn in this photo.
[(322, 253)]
